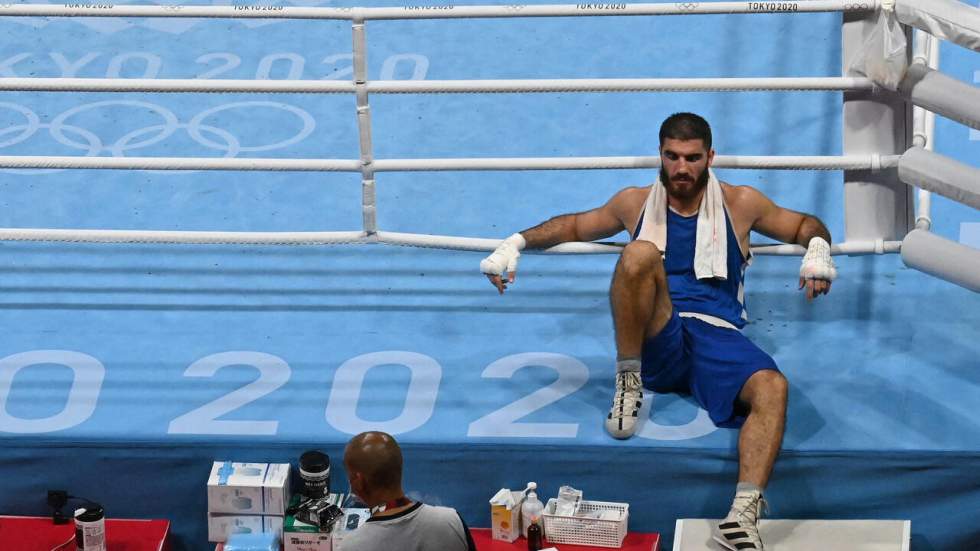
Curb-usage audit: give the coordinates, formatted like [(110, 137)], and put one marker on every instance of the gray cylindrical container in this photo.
[(90, 528)]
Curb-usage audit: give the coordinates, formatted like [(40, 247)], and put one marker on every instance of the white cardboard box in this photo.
[(505, 522), (248, 488), (220, 526)]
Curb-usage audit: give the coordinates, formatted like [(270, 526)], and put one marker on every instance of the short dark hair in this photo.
[(686, 126)]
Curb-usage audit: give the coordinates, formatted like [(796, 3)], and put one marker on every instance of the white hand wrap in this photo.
[(504, 259), (817, 263)]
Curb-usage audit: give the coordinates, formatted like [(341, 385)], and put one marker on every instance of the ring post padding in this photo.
[(940, 257), (952, 20), (942, 94), (942, 175)]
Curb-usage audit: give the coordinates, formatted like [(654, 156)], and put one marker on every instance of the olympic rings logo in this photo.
[(207, 135), (864, 6), (516, 7), (687, 6)]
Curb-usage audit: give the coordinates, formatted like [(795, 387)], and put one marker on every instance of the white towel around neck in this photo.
[(711, 241)]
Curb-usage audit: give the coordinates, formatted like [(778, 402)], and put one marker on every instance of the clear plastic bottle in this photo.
[(531, 511)]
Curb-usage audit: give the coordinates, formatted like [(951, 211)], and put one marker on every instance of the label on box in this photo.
[(303, 541)]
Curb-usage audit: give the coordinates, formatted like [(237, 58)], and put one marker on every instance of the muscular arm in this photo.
[(782, 224), (787, 226), (605, 221), (609, 219)]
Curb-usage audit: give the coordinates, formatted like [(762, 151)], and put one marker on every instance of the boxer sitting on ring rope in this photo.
[(677, 301)]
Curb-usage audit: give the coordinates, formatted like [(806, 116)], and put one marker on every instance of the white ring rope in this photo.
[(437, 12), (180, 163), (622, 85), (185, 237), (362, 238), (173, 85), (438, 86), (845, 162)]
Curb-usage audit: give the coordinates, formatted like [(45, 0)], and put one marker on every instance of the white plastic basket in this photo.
[(581, 530)]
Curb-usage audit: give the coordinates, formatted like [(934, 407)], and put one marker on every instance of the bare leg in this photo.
[(762, 434), (758, 445), (639, 296), (641, 307)]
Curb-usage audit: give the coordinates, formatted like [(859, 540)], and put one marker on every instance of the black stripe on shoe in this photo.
[(749, 545), (729, 525), (736, 535)]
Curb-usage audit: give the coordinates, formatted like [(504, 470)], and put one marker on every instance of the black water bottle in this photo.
[(534, 537)]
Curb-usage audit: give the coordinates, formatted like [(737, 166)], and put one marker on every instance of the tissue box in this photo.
[(221, 526), (505, 523), (248, 488)]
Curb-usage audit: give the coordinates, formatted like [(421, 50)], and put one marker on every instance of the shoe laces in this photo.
[(628, 388), (749, 506)]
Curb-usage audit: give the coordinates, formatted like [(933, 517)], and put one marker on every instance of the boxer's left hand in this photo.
[(817, 270)]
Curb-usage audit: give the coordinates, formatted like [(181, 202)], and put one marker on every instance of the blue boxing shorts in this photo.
[(691, 356)]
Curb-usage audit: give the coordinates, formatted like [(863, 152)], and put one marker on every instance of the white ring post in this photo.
[(876, 204), (368, 195), (924, 123)]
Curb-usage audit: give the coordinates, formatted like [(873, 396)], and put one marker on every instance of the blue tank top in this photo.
[(723, 299)]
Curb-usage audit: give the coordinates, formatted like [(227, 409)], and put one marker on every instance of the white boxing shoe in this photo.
[(739, 531), (621, 421)]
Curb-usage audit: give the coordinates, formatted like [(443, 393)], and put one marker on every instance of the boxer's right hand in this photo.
[(501, 266)]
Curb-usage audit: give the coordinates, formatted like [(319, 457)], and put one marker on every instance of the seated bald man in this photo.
[(678, 301), (373, 462)]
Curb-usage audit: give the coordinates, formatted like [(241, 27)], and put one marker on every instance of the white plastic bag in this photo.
[(883, 58)]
